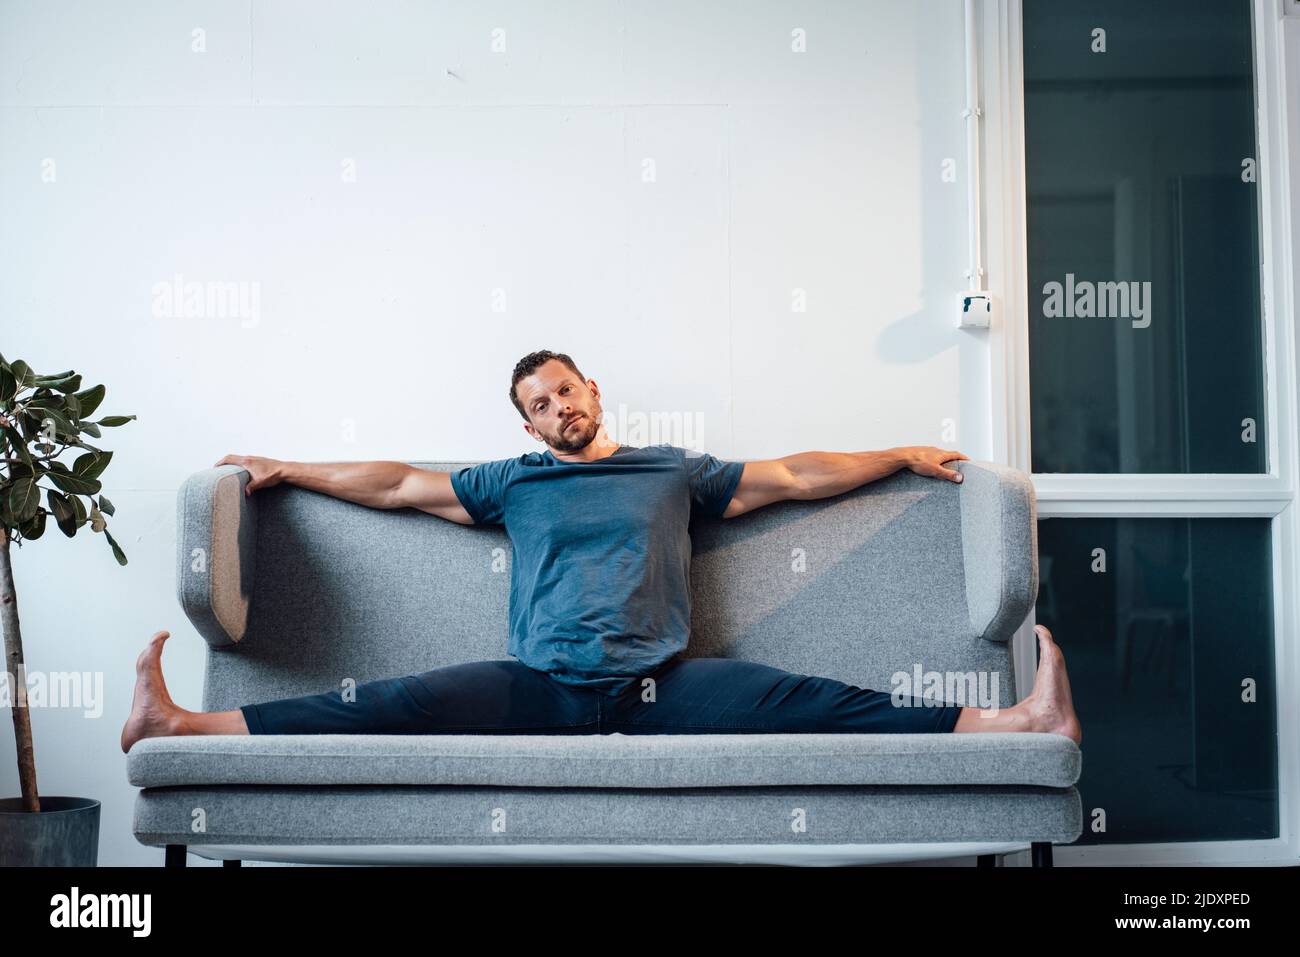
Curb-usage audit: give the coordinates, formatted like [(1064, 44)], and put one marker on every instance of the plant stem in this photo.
[(17, 676)]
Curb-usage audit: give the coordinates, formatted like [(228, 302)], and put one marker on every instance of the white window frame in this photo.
[(1269, 495)]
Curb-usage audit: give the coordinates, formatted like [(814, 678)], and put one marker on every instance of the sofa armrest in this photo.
[(216, 531), (999, 540)]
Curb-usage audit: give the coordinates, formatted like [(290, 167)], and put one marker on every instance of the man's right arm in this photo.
[(382, 484)]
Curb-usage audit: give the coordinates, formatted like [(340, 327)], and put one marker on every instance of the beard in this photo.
[(577, 436)]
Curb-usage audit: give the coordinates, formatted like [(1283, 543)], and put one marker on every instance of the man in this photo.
[(599, 595)]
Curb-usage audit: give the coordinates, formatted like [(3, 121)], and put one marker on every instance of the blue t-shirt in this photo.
[(600, 580)]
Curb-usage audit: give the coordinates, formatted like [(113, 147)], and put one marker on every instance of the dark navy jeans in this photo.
[(682, 696)]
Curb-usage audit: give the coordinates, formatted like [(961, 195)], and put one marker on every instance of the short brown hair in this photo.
[(528, 365)]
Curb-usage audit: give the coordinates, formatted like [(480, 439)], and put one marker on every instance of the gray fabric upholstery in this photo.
[(610, 760), (895, 575), (298, 591), (999, 534), (466, 815)]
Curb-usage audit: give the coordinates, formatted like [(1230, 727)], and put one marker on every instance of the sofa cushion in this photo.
[(607, 760), (788, 815)]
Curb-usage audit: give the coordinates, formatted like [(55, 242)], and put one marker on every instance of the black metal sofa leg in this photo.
[(986, 860), (1040, 853), (174, 856)]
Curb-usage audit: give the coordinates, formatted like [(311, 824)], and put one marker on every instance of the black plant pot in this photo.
[(65, 833)]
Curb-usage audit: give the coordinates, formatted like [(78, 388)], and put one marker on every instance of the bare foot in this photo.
[(153, 713), (1049, 706)]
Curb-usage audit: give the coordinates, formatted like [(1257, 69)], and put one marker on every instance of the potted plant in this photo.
[(41, 417)]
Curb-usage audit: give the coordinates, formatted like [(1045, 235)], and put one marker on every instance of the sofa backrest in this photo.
[(296, 591)]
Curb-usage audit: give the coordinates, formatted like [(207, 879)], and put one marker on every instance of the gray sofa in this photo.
[(295, 591)]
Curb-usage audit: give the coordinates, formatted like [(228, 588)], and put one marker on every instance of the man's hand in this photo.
[(264, 472), (928, 460)]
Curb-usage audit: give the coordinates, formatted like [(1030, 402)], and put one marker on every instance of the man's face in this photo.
[(565, 411)]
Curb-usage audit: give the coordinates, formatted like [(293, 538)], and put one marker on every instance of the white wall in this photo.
[(480, 177)]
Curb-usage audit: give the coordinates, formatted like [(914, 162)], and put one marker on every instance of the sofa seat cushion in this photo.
[(607, 760)]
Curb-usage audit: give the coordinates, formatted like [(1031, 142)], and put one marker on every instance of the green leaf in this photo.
[(111, 420), (117, 551), (35, 527), (24, 499), (22, 373), (17, 442), (89, 400), (90, 428), (8, 384), (64, 381), (31, 425), (92, 464), (97, 523), (34, 426), (47, 409), (64, 514), (106, 506), (80, 509), (74, 484)]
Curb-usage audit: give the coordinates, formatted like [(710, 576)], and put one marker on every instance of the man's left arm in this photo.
[(810, 475)]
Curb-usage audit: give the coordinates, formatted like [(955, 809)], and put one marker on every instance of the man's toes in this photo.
[(146, 658), (153, 649)]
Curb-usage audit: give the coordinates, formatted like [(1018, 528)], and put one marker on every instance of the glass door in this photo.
[(1165, 499)]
